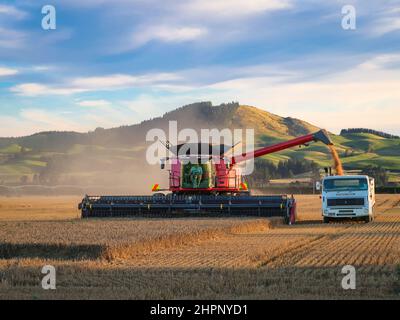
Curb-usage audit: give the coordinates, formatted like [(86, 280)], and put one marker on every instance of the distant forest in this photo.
[(364, 130)]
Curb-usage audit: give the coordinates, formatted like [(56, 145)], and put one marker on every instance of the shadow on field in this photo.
[(306, 222), (50, 251)]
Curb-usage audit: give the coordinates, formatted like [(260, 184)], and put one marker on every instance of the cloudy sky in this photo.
[(110, 63)]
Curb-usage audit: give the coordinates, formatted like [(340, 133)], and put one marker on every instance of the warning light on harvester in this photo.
[(155, 187)]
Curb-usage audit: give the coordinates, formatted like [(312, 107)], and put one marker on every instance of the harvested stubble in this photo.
[(112, 238), (255, 262)]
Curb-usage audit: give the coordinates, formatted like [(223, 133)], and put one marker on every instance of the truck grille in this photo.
[(346, 202)]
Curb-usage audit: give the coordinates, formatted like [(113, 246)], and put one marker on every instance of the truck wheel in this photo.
[(367, 219), (326, 220)]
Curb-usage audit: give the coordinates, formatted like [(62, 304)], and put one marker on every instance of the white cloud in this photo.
[(41, 68), (36, 89), (385, 25), (11, 39), (111, 81), (43, 120), (147, 106), (15, 126), (12, 11), (29, 89), (233, 8), (93, 103), (101, 83), (167, 34), (120, 81), (159, 77), (385, 19), (380, 62), (177, 34), (31, 120), (7, 71)]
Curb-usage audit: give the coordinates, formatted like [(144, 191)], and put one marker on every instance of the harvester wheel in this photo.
[(326, 220), (286, 220)]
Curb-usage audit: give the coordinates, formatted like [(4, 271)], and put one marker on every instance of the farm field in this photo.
[(38, 208), (231, 258)]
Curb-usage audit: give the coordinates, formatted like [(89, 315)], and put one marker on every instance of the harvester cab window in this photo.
[(196, 174)]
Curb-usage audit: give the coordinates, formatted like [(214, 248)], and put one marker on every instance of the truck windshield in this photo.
[(350, 184)]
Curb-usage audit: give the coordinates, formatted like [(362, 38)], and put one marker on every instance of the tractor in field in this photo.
[(208, 183)]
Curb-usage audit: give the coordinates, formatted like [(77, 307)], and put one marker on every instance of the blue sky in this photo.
[(111, 63)]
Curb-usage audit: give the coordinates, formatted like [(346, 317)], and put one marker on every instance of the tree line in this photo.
[(265, 170), (371, 131)]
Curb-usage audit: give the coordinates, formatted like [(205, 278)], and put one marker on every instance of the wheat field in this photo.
[(225, 258)]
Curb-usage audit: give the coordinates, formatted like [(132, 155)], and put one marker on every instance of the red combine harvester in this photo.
[(203, 183)]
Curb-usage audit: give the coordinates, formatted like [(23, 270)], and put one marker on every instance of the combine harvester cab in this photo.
[(206, 183)]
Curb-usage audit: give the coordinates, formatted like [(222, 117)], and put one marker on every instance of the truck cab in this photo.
[(350, 197)]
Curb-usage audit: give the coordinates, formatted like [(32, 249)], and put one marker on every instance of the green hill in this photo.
[(117, 155)]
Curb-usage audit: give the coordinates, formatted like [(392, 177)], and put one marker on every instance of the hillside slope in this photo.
[(196, 116)]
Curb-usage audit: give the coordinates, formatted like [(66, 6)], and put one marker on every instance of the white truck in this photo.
[(351, 197)]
